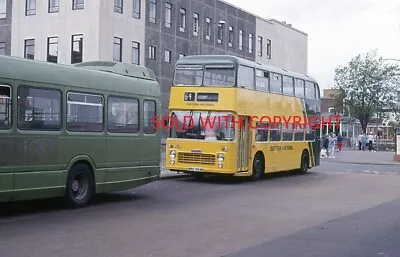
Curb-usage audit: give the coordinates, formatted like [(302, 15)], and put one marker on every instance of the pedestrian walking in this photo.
[(364, 142), (340, 142), (332, 144)]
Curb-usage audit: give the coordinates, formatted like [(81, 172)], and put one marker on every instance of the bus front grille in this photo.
[(198, 158)]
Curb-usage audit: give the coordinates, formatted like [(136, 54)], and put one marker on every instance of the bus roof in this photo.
[(236, 61), (101, 75)]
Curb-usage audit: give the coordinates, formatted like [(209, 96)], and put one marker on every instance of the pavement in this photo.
[(363, 157)]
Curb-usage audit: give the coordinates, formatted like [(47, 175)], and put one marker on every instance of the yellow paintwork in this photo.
[(247, 103)]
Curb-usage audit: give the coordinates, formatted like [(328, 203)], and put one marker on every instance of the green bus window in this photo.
[(39, 108), (149, 111), (84, 112), (123, 115), (5, 107), (299, 87), (276, 83)]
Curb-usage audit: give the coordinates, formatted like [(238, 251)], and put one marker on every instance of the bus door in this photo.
[(243, 144)]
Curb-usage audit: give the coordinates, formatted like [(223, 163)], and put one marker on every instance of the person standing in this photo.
[(360, 139), (370, 141), (339, 142)]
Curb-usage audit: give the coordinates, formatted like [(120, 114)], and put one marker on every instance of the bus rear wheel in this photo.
[(304, 163), (258, 168), (80, 186)]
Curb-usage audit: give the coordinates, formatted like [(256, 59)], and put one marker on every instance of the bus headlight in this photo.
[(172, 154), (220, 157), (220, 165), (172, 161)]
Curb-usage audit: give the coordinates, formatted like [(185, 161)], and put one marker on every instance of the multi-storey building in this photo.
[(5, 26), (154, 33)]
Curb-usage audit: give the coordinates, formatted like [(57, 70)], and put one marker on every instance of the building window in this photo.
[(230, 36), (77, 4), (250, 43), (117, 52), (268, 49), (167, 56), (136, 9), (30, 7), (208, 28), (195, 24), (54, 6), (2, 48), (182, 25), (240, 39), (152, 52), (52, 49), (29, 49), (39, 108), (260, 46), (168, 14), (153, 11), (3, 9), (85, 112), (220, 33), (135, 53), (118, 6), (77, 49)]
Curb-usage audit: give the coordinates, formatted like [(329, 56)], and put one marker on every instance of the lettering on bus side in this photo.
[(281, 148)]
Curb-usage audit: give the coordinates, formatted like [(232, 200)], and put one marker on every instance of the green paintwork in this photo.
[(34, 164)]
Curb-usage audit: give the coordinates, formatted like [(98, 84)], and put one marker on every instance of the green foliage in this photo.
[(393, 126), (367, 85)]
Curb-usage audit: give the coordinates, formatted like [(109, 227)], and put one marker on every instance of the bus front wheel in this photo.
[(80, 186)]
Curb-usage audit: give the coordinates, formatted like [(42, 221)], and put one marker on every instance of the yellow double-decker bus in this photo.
[(232, 116)]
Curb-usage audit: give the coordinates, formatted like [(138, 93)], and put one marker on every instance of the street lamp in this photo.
[(220, 23)]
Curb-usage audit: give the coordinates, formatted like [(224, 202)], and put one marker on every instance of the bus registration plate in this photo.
[(195, 169)]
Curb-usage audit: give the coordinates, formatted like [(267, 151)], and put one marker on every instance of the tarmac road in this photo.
[(183, 217)]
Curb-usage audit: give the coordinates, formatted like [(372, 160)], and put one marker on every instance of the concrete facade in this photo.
[(6, 7), (279, 44)]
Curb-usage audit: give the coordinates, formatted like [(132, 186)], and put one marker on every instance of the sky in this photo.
[(337, 30)]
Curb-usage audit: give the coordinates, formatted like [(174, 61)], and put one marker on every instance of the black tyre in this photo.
[(304, 163), (80, 186), (258, 168)]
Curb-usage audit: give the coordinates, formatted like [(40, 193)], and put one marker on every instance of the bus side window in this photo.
[(149, 111), (275, 132), (287, 132), (39, 108), (5, 107), (262, 132), (85, 112), (123, 115)]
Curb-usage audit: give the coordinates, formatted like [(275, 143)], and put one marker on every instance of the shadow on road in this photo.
[(36, 207)]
